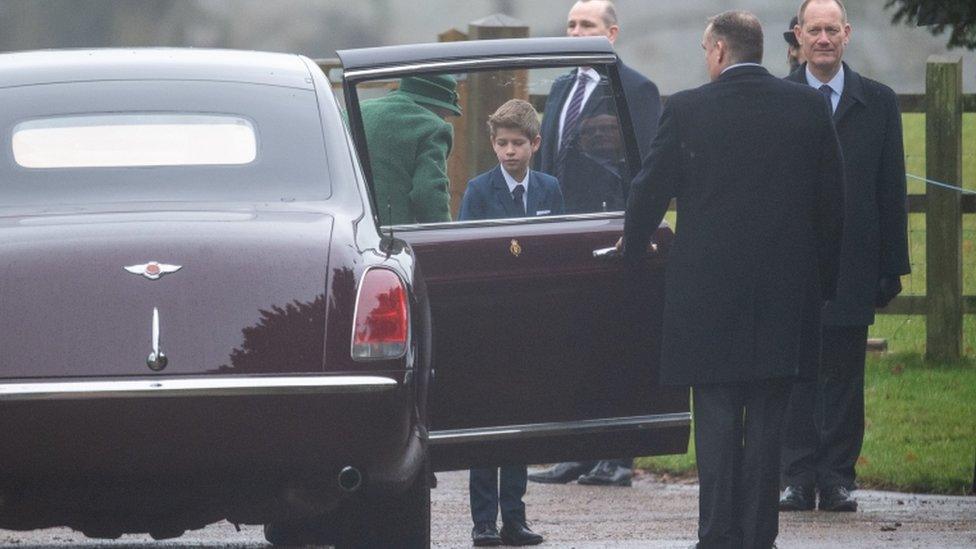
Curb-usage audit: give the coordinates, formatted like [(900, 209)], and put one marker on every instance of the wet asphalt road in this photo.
[(651, 514)]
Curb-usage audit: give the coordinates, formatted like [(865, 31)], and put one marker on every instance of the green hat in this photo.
[(438, 90)]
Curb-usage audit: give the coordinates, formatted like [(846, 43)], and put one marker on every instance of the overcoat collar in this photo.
[(853, 89), (744, 70)]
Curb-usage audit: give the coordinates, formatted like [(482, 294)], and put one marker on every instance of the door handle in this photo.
[(612, 253)]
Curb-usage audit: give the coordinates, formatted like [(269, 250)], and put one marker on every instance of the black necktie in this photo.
[(828, 92), (517, 194)]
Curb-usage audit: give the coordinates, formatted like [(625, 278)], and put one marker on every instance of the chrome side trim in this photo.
[(505, 221), (507, 62), (560, 429), (194, 387)]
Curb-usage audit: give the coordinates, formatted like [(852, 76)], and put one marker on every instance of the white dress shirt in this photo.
[(512, 183), (836, 86)]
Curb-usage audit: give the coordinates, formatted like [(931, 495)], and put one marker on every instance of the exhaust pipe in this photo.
[(350, 479)]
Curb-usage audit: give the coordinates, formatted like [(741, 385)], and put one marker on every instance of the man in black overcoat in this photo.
[(825, 422), (593, 183), (755, 166)]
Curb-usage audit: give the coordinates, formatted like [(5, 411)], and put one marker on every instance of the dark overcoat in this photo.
[(756, 168), (643, 104), (487, 197), (875, 242)]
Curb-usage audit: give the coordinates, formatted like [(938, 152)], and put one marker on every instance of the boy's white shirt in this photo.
[(511, 182)]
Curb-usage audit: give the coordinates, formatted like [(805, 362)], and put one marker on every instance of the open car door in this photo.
[(544, 348)]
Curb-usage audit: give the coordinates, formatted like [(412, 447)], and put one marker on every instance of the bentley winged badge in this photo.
[(152, 270)]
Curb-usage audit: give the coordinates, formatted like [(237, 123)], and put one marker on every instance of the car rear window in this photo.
[(128, 140)]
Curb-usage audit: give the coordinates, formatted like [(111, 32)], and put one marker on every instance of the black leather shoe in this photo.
[(837, 499), (607, 474), (518, 533), (485, 534), (560, 473), (797, 498)]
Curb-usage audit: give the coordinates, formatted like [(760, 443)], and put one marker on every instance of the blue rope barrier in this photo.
[(940, 184)]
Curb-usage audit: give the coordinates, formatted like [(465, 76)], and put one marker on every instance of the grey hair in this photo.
[(803, 8), (609, 12)]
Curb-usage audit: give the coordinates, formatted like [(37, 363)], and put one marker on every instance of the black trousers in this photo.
[(824, 425), (490, 490), (737, 439)]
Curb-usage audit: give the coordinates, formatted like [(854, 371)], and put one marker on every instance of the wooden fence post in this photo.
[(457, 162), (943, 216), (488, 90)]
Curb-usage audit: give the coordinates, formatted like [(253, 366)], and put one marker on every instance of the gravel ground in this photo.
[(651, 514)]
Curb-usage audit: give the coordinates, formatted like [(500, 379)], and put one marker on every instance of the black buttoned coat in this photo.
[(875, 242), (755, 165)]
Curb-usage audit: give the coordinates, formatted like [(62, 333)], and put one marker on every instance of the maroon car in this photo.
[(203, 318)]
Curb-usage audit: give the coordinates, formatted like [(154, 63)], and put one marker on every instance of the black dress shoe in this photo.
[(518, 533), (560, 473), (838, 499), (797, 498), (485, 534), (607, 474)]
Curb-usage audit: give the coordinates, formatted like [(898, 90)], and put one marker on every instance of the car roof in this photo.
[(86, 65), (385, 56)]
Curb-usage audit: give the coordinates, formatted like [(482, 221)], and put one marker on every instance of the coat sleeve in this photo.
[(830, 207), (645, 109), (653, 187), (891, 196), (430, 197), (472, 205)]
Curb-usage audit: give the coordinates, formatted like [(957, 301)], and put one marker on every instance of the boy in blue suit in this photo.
[(507, 190), (511, 189)]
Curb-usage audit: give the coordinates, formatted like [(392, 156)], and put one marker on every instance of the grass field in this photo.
[(920, 431)]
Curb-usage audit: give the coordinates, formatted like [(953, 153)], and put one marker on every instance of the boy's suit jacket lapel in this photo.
[(536, 199)]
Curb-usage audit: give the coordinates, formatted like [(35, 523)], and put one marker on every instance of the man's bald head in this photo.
[(593, 18)]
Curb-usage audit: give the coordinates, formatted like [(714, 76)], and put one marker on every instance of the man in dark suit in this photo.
[(578, 103), (755, 165), (825, 422)]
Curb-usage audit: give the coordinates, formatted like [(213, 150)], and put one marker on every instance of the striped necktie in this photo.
[(573, 111), (570, 123)]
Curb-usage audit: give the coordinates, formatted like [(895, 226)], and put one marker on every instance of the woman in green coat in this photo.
[(409, 140)]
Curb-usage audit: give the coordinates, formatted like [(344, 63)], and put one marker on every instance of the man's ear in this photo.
[(535, 143), (723, 53), (612, 33)]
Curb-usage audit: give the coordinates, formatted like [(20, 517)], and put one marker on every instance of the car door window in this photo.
[(426, 138)]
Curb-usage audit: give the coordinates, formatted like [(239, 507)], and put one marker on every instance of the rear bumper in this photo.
[(249, 449), (195, 387)]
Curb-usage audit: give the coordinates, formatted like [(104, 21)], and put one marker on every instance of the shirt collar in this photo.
[(511, 182), (740, 65), (836, 83)]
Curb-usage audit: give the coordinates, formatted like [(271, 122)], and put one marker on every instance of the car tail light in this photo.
[(382, 322)]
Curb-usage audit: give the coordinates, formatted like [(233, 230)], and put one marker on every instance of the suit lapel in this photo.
[(533, 198), (501, 192), (853, 93)]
